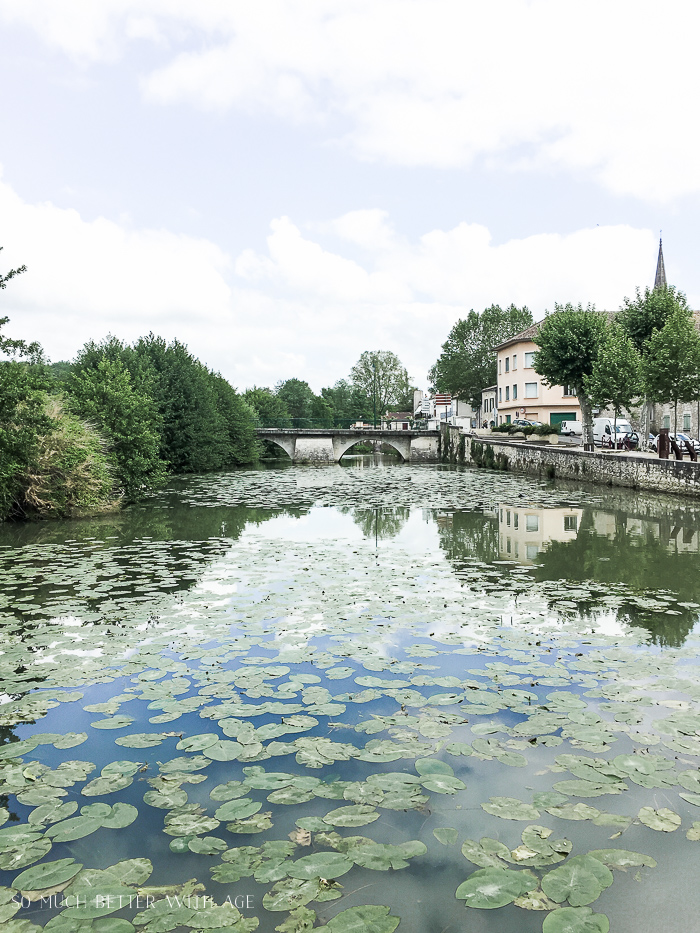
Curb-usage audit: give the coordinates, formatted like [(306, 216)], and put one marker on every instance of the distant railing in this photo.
[(344, 424)]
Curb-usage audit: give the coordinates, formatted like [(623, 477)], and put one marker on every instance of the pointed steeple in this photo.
[(660, 280)]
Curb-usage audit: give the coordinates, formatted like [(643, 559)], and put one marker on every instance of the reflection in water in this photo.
[(524, 532), (379, 523), (589, 552)]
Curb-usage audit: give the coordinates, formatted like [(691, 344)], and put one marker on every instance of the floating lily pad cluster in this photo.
[(324, 688)]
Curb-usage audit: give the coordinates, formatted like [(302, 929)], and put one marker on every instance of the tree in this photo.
[(239, 419), (298, 398), (381, 376), (569, 342), (4, 279), (644, 314), (348, 402), (615, 377), (467, 364), (269, 409), (648, 311), (671, 365), (106, 396)]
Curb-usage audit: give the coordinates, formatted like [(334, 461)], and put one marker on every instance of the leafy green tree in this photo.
[(615, 379), (381, 376), (321, 412), (298, 397), (348, 402), (648, 311), (23, 417), (671, 365), (641, 316), (467, 364), (106, 396), (239, 419), (569, 342), (269, 409)]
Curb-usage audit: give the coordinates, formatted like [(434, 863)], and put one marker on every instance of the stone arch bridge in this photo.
[(327, 445)]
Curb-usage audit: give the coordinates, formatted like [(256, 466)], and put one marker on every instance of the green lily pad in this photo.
[(368, 918), (622, 858), (446, 835), (47, 875), (575, 920), (238, 809), (663, 820), (580, 880), (358, 815), (510, 808), (320, 865), (490, 888)]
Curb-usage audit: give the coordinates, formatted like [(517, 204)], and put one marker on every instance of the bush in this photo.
[(69, 473)]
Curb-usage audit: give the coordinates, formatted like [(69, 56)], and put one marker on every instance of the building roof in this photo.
[(660, 280), (528, 334), (489, 389)]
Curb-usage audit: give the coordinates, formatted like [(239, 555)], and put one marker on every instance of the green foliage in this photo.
[(298, 398), (647, 312), (4, 279), (467, 364), (615, 377), (348, 402), (269, 409), (105, 395), (69, 473), (380, 375), (569, 342), (671, 365), (199, 420)]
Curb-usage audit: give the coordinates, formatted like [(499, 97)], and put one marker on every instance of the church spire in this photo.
[(660, 280)]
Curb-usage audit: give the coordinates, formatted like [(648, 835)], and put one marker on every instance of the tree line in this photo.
[(647, 352), (110, 426)]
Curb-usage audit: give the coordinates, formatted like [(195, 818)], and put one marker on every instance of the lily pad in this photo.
[(358, 815), (447, 835), (510, 808), (581, 880), (663, 820), (575, 920), (368, 918), (490, 888)]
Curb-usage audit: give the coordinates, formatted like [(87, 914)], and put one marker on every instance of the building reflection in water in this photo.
[(524, 532)]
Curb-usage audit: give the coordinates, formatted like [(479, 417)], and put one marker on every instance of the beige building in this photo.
[(521, 391)]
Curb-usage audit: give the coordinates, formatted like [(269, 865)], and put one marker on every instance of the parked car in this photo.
[(679, 438), (522, 422), (569, 428), (605, 428)]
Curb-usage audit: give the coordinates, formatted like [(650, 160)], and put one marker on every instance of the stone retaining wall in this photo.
[(680, 477)]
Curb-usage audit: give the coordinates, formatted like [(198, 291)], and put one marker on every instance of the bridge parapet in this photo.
[(327, 445)]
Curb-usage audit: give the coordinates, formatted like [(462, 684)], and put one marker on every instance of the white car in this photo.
[(569, 428)]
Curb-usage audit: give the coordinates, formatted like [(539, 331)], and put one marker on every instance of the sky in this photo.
[(282, 185)]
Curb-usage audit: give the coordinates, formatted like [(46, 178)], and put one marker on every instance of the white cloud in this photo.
[(304, 307), (604, 88)]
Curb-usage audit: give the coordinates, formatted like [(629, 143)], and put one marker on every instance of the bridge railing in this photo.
[(327, 424)]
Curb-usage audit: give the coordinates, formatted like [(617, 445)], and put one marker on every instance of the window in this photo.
[(507, 417), (686, 421), (499, 367), (571, 523), (667, 421), (530, 390), (507, 363), (569, 390), (532, 551), (515, 361), (507, 393), (515, 520), (515, 392), (500, 395), (532, 523), (508, 517), (528, 360)]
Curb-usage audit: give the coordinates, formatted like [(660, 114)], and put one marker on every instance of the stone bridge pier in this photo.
[(317, 445)]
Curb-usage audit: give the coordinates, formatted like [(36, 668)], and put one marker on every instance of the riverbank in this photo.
[(609, 468)]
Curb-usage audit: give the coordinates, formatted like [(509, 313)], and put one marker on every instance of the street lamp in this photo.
[(374, 391)]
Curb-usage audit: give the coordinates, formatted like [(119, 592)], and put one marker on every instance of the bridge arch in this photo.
[(288, 444), (342, 445)]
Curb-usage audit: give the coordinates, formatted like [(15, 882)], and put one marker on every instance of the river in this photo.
[(353, 697)]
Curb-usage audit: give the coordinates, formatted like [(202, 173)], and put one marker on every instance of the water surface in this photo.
[(386, 663)]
